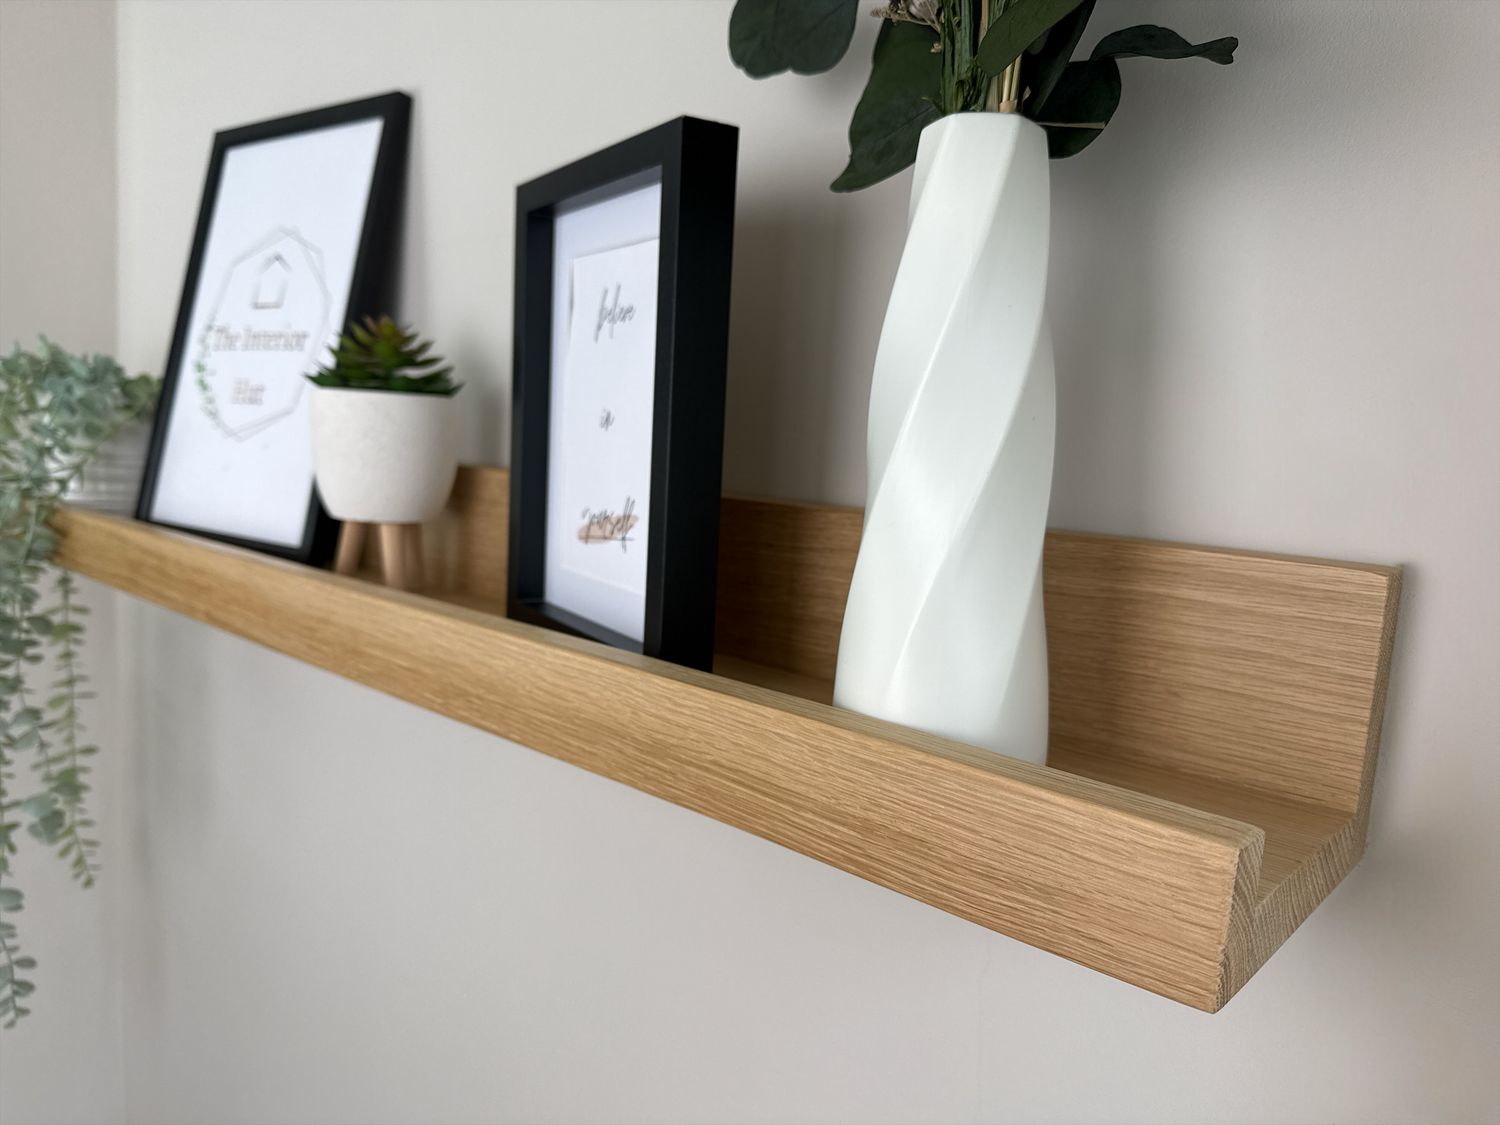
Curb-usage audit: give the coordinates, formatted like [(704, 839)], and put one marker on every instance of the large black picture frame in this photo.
[(371, 289), (697, 162)]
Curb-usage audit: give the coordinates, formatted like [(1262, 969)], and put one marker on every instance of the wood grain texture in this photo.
[(1179, 863), (1158, 651), (464, 548), (784, 573)]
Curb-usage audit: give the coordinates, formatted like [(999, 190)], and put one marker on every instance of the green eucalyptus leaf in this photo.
[(55, 410), (1016, 28), (767, 37), (1084, 99), (1042, 73), (70, 790), (39, 806), (900, 100), (1147, 40), (49, 828)]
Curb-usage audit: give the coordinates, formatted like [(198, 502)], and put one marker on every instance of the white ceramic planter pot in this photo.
[(383, 456), (944, 629)]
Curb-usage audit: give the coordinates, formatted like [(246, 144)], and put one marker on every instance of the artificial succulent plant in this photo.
[(379, 355)]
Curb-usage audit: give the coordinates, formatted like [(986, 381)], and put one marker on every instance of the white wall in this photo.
[(57, 174), (1275, 295), (503, 93), (57, 275)]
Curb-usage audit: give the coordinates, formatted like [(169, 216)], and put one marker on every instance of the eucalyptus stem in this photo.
[(12, 987), (55, 411), (13, 693), (70, 787)]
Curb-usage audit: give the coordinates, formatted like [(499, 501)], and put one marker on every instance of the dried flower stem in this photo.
[(1004, 94)]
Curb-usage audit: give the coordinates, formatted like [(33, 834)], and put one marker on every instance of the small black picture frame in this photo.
[(557, 383), (301, 213)]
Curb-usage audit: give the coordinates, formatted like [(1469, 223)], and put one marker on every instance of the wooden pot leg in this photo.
[(351, 547), (393, 554), (412, 536)]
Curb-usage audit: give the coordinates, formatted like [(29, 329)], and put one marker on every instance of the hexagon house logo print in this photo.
[(266, 329)]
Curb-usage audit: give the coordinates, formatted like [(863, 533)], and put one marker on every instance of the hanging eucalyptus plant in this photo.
[(55, 411), (935, 57)]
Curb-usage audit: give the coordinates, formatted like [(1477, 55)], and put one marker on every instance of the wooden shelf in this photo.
[(1215, 719)]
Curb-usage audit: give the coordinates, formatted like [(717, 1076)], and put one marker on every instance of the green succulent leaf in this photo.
[(1017, 28), (900, 100), (768, 37), (1147, 40), (1080, 105), (378, 355)]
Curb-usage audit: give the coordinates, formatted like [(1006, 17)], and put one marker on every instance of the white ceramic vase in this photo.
[(944, 629), (383, 456)]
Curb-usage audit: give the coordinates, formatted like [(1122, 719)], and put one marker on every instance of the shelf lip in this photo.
[(1156, 893), (1383, 570), (1086, 790)]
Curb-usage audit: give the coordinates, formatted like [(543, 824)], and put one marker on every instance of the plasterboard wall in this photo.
[(57, 174), (1275, 292), (57, 276)]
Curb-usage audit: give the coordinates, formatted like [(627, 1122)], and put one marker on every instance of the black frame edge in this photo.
[(698, 161), (371, 287)]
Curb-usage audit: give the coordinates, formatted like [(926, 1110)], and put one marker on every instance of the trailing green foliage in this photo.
[(964, 80), (899, 101), (1080, 105), (769, 37), (1052, 56), (380, 356), (1087, 93), (1017, 26), (55, 411), (931, 60)]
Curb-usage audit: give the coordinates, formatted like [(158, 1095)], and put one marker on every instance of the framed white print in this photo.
[(621, 340), (294, 240), (604, 287)]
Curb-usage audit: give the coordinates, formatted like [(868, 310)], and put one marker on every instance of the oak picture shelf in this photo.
[(1215, 717)]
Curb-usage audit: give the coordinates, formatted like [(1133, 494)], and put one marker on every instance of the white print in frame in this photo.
[(278, 290), (273, 288), (608, 400)]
